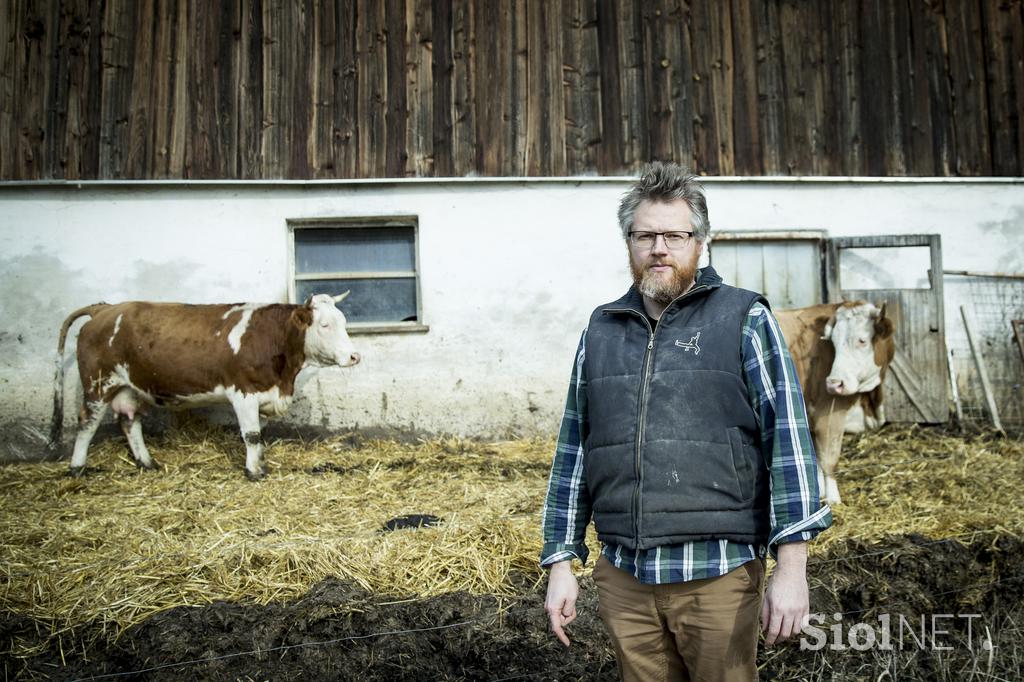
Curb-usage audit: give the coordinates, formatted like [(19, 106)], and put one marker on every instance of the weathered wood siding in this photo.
[(433, 88)]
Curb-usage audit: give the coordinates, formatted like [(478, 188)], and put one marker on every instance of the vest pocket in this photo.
[(741, 464)]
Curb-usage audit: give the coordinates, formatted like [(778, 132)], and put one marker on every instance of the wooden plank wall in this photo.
[(433, 88)]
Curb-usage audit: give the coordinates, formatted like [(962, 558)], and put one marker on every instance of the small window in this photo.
[(785, 266), (374, 259)]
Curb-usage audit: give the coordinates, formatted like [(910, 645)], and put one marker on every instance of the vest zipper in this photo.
[(641, 420)]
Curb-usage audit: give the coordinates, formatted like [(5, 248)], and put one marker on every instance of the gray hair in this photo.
[(666, 182)]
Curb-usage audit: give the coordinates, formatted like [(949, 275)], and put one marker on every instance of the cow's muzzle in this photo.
[(839, 387)]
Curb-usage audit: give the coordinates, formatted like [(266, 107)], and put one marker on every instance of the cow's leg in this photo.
[(879, 420), (874, 417), (89, 420), (126, 406), (828, 432), (132, 427), (247, 409), (832, 491)]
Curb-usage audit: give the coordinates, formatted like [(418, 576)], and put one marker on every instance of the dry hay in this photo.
[(929, 482), (119, 545)]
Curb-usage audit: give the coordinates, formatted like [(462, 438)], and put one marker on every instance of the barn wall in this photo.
[(509, 273), (439, 88)]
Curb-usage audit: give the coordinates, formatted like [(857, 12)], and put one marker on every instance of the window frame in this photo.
[(817, 237), (358, 222)]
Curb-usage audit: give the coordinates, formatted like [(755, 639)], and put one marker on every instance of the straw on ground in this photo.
[(119, 545)]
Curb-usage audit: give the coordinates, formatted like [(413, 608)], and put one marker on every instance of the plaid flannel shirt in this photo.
[(795, 513)]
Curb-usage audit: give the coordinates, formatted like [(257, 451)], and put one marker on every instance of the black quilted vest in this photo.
[(672, 448)]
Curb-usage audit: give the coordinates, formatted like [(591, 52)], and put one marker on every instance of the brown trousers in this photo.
[(698, 630)]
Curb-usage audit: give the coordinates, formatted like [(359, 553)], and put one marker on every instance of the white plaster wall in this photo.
[(509, 274), (981, 223)]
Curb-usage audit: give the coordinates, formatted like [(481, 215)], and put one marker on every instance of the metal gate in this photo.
[(917, 385), (803, 267)]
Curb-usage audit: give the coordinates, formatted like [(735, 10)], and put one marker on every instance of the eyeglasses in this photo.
[(673, 240)]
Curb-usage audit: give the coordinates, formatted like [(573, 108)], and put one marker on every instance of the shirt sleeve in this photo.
[(796, 511), (567, 508)]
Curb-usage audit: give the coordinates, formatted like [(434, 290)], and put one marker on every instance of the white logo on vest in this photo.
[(691, 345)]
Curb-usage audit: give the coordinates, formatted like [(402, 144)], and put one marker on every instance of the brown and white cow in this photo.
[(842, 352), (177, 355)]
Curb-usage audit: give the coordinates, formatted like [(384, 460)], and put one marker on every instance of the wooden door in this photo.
[(786, 267), (905, 273)]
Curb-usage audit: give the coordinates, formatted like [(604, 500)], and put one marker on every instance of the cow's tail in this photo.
[(57, 422)]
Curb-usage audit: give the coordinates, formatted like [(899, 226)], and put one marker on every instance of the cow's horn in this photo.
[(881, 310), (341, 297)]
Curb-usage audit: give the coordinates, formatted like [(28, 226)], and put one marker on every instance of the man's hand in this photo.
[(561, 600), (786, 601)]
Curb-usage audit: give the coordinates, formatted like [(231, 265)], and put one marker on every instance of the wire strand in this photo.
[(905, 550), (286, 647), (464, 623), (245, 545), (1010, 579)]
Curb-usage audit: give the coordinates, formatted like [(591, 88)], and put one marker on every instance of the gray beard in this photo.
[(658, 290), (661, 291)]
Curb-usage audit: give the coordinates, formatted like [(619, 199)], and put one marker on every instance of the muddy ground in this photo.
[(339, 632)]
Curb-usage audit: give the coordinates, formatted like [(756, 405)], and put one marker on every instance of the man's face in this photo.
[(660, 273)]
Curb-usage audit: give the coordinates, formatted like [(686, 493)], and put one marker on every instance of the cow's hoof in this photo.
[(255, 475), (148, 466), (76, 472)]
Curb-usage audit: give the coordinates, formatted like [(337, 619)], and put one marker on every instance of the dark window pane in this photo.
[(371, 300), (371, 249)]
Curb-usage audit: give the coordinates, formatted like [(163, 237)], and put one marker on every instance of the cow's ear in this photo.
[(824, 323), (302, 317), (884, 328)]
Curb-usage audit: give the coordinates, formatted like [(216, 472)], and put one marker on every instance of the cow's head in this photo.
[(327, 342), (857, 331)]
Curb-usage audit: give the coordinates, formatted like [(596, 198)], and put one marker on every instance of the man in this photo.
[(685, 438)]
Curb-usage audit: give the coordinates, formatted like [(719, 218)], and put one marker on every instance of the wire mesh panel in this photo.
[(991, 303)]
